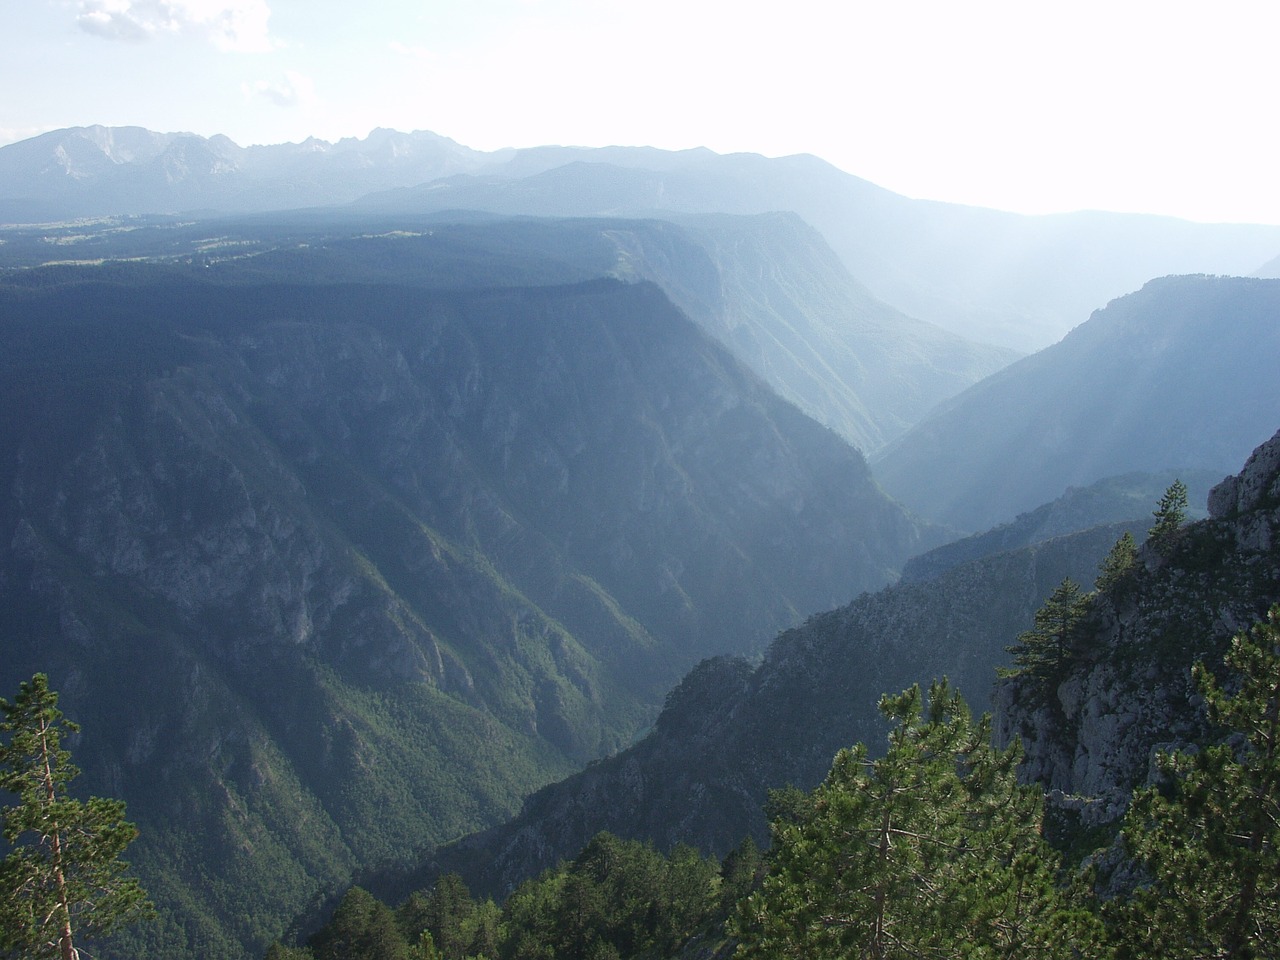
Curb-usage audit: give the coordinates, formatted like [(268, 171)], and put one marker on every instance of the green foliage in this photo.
[(1210, 837), (387, 628), (63, 881), (455, 925), (1170, 515), (361, 927), (740, 874), (1046, 650), (1118, 565), (278, 951), (932, 850), (618, 898)]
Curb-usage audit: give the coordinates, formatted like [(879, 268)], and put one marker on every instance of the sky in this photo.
[(1165, 107)]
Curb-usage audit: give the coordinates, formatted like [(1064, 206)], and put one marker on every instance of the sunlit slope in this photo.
[(1179, 375)]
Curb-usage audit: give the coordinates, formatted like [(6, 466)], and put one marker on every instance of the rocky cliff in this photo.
[(730, 732), (768, 287), (1091, 738)]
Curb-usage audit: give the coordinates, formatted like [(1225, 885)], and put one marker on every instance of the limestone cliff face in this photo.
[(1130, 694)]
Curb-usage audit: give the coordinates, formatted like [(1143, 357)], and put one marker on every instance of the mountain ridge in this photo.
[(767, 286), (732, 730), (1016, 281), (383, 558), (1125, 689), (1124, 391)]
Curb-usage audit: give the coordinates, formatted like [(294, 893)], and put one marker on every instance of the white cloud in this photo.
[(113, 20), (239, 25), (293, 90), (413, 52)]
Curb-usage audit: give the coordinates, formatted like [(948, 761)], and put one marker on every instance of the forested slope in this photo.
[(730, 731), (330, 571)]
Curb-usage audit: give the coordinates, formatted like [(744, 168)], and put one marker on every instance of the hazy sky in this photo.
[(1135, 105)]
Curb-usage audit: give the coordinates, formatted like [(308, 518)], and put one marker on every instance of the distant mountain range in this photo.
[(767, 286), (1016, 281), (1180, 374)]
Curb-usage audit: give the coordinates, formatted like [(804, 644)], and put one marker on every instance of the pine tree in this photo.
[(447, 913), (739, 873), (1210, 837), (1170, 515), (278, 951), (1047, 649), (934, 850), (1117, 565), (361, 928), (63, 881)]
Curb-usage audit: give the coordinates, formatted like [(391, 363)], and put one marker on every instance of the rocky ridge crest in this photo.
[(1129, 694)]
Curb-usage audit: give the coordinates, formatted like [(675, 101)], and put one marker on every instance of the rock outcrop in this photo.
[(1092, 737)]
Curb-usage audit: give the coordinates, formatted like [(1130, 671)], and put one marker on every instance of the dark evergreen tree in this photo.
[(739, 874), (617, 898), (1118, 565), (278, 951), (1047, 649), (447, 912), (362, 928), (686, 896), (63, 881), (1209, 838), (1170, 515), (531, 914), (934, 850)]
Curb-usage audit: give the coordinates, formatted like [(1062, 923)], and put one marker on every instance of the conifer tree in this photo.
[(1117, 565), (1047, 648), (362, 928), (1210, 837), (63, 881), (278, 951), (1170, 515), (934, 850), (739, 872)]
